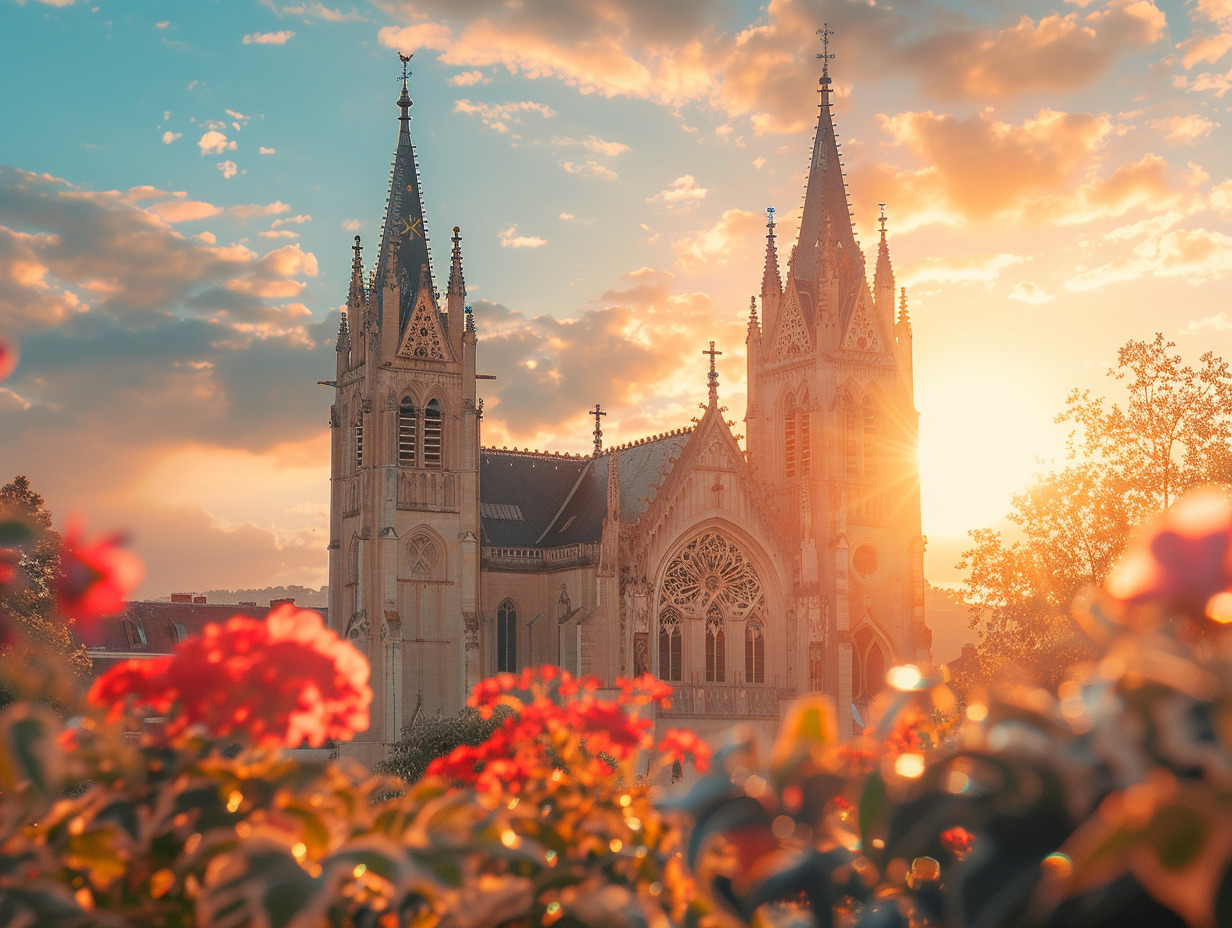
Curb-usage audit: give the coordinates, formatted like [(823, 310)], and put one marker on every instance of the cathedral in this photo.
[(744, 576)]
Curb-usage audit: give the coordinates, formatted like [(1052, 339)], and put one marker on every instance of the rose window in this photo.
[(711, 573)]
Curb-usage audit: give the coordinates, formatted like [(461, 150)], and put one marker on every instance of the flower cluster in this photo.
[(95, 577), (282, 681), (560, 722)]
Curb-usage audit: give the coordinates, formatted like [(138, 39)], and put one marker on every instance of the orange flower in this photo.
[(681, 744), (283, 681), (957, 840), (95, 578)]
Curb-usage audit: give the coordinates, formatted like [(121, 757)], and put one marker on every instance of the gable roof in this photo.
[(562, 500)]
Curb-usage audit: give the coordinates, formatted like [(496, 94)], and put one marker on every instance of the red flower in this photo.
[(95, 578), (681, 744), (1184, 559), (283, 681), (957, 840)]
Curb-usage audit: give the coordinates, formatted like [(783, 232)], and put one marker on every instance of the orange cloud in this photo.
[(738, 233)]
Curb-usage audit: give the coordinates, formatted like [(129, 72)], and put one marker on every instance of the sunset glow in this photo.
[(176, 228)]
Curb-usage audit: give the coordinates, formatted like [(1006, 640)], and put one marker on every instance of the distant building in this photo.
[(745, 577), (153, 629)]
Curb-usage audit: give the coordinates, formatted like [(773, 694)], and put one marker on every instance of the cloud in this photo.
[(214, 142), (497, 116), (738, 233), (1185, 129), (566, 217), (229, 168), (1219, 322), (1195, 255), (68, 252), (509, 238), (968, 269), (169, 136), (351, 225), (1026, 291), (469, 79), (589, 168), (269, 38), (683, 193), (324, 13)]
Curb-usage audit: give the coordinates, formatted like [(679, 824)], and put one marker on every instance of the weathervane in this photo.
[(825, 32), (405, 59), (770, 217)]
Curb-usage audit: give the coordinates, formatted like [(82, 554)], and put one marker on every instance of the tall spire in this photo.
[(825, 197), (883, 277), (771, 281), (404, 217)]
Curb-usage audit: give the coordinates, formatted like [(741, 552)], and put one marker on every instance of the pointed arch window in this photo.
[(507, 638), (670, 651), (432, 436), (423, 556), (868, 666), (406, 432), (754, 653), (870, 437), (789, 436), (716, 657), (359, 444), (851, 439)]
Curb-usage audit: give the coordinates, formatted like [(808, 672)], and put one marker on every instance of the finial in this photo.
[(882, 219), (357, 261), (713, 377), (902, 305), (825, 32), (752, 312), (770, 219), (597, 412), (404, 101)]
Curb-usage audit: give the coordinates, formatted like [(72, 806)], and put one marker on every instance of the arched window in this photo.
[(506, 638), (789, 436), (754, 653), (851, 439), (716, 657), (359, 444), (670, 651), (406, 432), (870, 437), (432, 435), (422, 556), (806, 437), (868, 666)]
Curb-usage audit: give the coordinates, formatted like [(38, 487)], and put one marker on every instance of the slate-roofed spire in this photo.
[(771, 281), (825, 197), (404, 218)]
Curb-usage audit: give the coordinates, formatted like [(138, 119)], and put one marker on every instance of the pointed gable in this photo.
[(792, 338), (862, 333), (423, 338)]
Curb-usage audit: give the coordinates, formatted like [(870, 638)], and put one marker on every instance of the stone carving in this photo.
[(357, 631), (860, 335), (711, 572), (333, 417), (641, 653), (792, 339), (423, 335), (423, 556), (563, 605)]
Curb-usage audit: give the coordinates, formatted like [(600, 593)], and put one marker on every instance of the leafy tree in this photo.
[(28, 598), (1124, 465), (427, 739)]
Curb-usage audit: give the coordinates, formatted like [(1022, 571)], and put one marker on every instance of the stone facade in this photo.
[(746, 576)]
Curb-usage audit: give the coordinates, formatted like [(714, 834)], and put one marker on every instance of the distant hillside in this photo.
[(303, 595)]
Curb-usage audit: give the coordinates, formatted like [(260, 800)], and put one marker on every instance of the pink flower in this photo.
[(1184, 559)]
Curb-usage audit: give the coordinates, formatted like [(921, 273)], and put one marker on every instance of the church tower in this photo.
[(832, 430), (404, 502)]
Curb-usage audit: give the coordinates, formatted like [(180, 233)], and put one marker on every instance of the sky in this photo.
[(180, 185)]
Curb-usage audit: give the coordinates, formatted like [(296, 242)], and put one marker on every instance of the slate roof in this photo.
[(114, 639), (563, 500)]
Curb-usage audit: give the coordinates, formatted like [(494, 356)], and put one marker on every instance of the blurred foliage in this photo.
[(1125, 464), (425, 740), (29, 564)]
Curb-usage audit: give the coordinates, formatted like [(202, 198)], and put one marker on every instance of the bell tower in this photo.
[(832, 430), (404, 501)]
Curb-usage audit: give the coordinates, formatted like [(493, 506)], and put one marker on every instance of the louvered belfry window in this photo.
[(406, 432), (432, 435)]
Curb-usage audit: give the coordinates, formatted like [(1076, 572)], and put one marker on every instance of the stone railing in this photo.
[(513, 557), (433, 491), (724, 700)]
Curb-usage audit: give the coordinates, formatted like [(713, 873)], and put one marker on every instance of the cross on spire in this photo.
[(826, 57), (713, 377), (882, 219), (405, 59), (597, 412)]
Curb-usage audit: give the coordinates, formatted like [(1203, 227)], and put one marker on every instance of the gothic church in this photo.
[(746, 577)]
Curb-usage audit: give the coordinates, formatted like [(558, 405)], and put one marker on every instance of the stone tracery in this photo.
[(712, 572)]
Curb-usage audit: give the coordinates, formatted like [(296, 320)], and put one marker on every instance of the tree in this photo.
[(427, 739), (1124, 465), (28, 598)]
